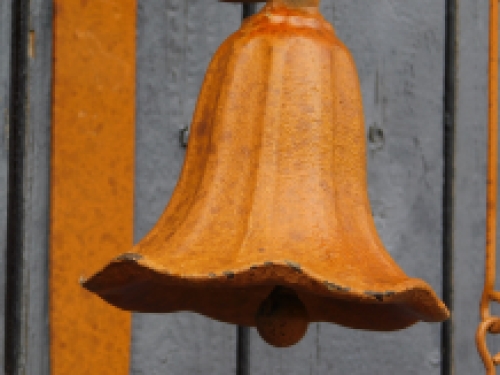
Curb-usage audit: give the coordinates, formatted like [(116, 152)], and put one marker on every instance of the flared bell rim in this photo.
[(134, 282)]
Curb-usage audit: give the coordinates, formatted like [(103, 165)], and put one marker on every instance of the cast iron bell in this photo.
[(270, 224)]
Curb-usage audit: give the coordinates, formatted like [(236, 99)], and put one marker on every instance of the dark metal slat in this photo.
[(249, 9), (16, 269), (450, 90)]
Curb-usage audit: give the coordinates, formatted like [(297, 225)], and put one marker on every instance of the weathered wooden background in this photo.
[(400, 49)]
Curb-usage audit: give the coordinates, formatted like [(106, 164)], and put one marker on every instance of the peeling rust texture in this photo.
[(295, 266), (332, 286), (129, 257), (92, 180), (376, 295)]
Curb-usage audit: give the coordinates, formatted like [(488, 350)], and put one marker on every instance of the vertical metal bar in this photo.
[(243, 344), (243, 364), (448, 188), (249, 10), (16, 268)]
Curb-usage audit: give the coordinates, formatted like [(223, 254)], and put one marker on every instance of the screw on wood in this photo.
[(184, 136)]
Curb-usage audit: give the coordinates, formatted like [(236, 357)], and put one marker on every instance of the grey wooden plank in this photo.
[(37, 189), (5, 36), (470, 181), (398, 48), (176, 39)]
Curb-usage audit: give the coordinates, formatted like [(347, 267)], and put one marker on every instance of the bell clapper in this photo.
[(282, 319)]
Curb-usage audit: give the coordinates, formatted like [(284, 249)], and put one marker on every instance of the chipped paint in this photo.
[(129, 257), (295, 266)]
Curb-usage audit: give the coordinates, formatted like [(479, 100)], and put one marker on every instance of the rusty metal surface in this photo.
[(92, 179), (490, 323), (272, 206)]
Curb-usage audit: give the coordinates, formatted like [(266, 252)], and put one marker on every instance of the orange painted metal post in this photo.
[(92, 179)]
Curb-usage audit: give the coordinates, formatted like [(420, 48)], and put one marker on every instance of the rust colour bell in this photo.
[(270, 223)]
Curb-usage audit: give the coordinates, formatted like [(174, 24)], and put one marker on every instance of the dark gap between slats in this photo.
[(15, 267), (450, 89)]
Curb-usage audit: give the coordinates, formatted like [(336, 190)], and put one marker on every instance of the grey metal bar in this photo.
[(449, 120), (249, 9), (15, 314)]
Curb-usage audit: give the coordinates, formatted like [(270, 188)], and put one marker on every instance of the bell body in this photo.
[(273, 193)]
